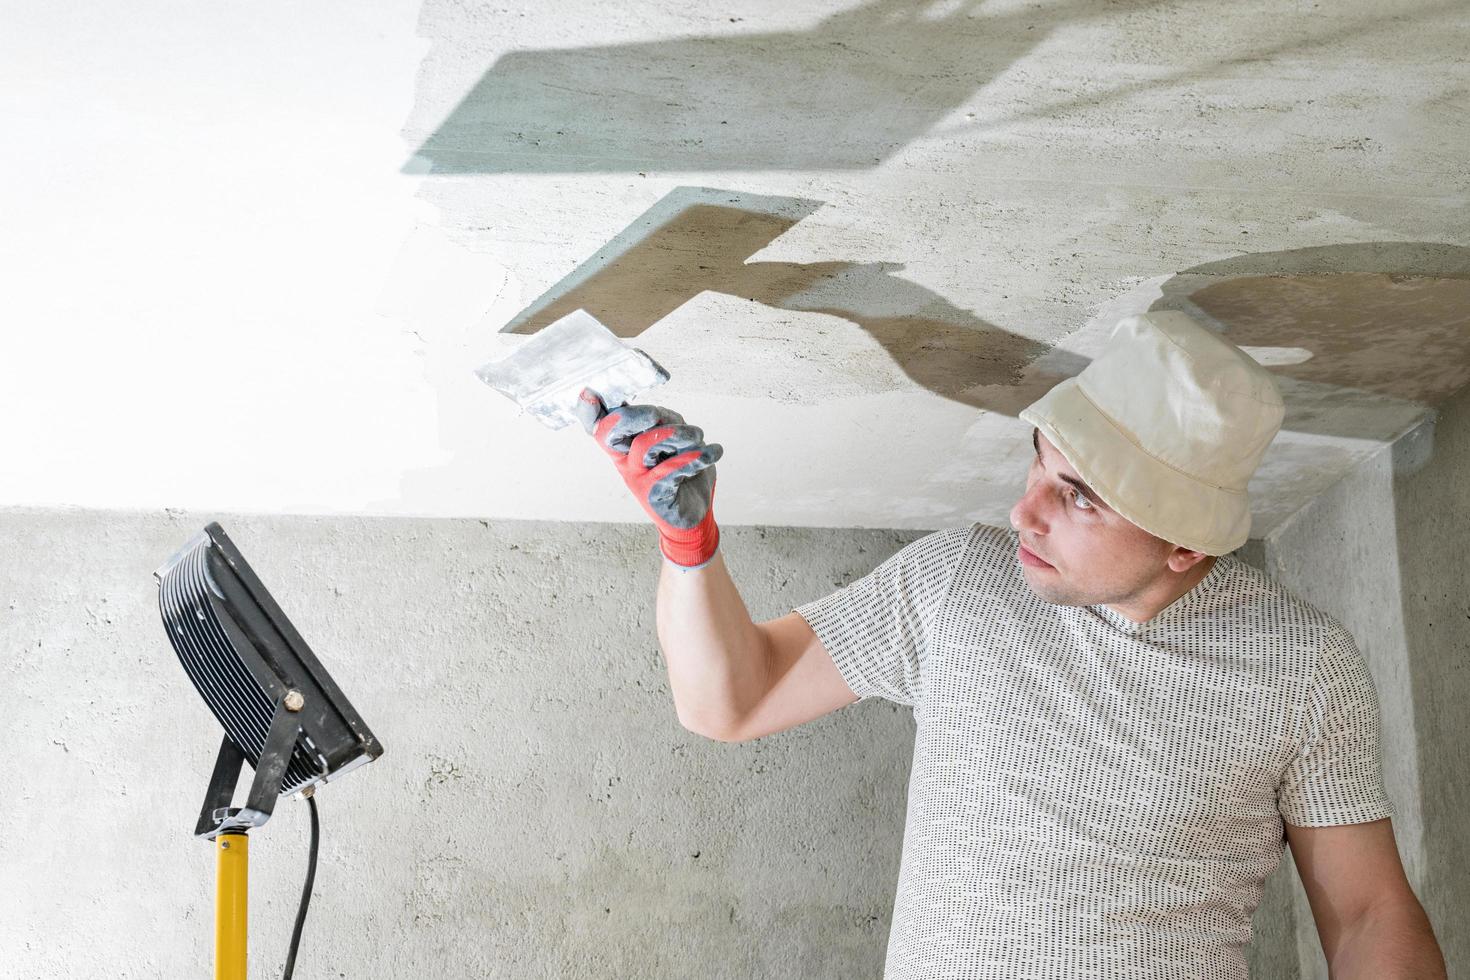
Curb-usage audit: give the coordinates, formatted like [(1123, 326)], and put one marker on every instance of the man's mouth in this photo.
[(1030, 557)]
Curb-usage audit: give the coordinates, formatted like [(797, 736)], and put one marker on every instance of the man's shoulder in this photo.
[(992, 539), (981, 546), (978, 549), (1266, 603), (985, 555)]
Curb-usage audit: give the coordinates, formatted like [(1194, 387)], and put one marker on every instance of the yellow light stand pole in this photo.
[(231, 906)]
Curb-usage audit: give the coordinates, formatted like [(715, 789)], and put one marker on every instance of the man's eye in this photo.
[(1083, 499)]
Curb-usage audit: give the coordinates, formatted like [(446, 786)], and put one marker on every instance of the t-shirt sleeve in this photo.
[(1336, 776), (877, 628)]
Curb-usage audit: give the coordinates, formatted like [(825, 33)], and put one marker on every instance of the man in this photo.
[(1118, 724)]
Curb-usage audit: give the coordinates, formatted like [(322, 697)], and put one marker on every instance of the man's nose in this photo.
[(1024, 515)]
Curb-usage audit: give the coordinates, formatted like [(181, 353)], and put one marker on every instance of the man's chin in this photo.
[(1044, 590)]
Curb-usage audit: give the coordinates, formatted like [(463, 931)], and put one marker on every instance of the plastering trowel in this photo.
[(545, 374)]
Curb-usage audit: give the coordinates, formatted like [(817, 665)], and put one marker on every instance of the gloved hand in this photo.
[(667, 466)]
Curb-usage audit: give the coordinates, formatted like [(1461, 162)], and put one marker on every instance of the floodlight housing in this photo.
[(280, 709)]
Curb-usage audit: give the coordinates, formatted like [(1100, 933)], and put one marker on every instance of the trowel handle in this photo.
[(668, 467)]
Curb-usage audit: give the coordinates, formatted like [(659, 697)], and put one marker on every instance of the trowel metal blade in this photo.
[(546, 373)]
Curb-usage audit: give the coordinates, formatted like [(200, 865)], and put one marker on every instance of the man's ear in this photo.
[(1183, 559)]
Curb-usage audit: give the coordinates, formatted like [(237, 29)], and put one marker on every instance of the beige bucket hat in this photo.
[(1167, 425)]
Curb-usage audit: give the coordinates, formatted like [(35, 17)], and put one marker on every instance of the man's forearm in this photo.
[(1392, 941), (714, 653)]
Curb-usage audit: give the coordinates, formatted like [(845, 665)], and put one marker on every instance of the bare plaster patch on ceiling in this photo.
[(1407, 337)]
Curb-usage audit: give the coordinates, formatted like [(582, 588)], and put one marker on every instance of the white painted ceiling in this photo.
[(253, 252)]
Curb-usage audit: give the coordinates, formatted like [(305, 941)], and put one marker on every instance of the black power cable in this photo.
[(305, 891)]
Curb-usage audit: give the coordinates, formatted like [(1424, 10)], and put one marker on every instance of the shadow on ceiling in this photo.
[(1362, 336), (844, 95), (698, 239)]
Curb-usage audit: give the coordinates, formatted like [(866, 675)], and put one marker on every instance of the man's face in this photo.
[(1094, 554)]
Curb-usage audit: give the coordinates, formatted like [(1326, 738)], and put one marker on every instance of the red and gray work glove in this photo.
[(667, 466)]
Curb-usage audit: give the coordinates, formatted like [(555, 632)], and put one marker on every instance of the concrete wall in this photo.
[(1385, 552), (539, 810)]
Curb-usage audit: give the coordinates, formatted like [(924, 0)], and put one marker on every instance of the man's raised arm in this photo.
[(732, 679)]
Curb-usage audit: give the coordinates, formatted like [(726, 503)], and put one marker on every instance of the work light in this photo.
[(280, 710)]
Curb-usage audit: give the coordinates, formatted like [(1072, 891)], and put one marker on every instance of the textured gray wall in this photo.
[(539, 810), (1385, 551)]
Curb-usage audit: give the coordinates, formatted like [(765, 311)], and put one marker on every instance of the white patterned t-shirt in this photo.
[(1089, 796)]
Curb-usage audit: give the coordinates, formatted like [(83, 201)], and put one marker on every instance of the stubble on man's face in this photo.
[(1106, 575)]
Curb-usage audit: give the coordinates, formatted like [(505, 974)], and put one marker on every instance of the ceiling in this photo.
[(256, 253)]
